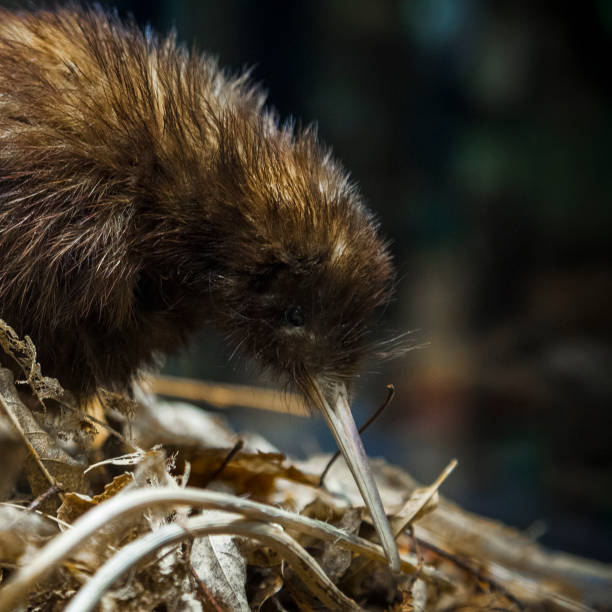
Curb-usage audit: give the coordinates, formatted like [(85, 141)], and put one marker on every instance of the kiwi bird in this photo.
[(146, 193)]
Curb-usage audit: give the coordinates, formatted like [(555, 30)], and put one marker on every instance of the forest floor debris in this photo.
[(157, 505)]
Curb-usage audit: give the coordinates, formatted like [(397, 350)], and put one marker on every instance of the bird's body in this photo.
[(144, 193)]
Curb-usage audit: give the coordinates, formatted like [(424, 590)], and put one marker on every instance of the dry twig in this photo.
[(227, 396)]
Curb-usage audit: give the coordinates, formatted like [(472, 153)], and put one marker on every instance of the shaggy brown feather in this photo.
[(145, 193)]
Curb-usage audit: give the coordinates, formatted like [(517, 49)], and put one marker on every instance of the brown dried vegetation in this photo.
[(263, 557)]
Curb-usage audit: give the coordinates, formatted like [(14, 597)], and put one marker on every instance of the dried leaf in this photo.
[(179, 424), (334, 560), (48, 462), (340, 484), (260, 556), (12, 453), (247, 472), (24, 354), (414, 596), (119, 403), (421, 502), (267, 588), (74, 504), (221, 566)]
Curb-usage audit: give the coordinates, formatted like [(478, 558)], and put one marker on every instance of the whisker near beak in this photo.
[(337, 414)]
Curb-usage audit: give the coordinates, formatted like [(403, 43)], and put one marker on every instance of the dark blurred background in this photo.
[(481, 134)]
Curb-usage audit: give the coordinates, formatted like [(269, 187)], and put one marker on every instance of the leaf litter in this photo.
[(169, 509)]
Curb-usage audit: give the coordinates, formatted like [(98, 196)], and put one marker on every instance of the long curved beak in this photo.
[(339, 418)]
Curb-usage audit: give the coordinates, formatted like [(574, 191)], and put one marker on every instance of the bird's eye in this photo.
[(294, 316)]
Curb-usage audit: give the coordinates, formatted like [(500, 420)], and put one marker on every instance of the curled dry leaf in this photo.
[(253, 473), (263, 590), (118, 403), (48, 463), (75, 505), (24, 354)]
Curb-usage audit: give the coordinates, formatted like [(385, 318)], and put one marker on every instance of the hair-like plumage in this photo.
[(144, 193)]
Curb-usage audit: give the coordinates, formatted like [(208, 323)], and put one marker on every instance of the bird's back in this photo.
[(99, 122)]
